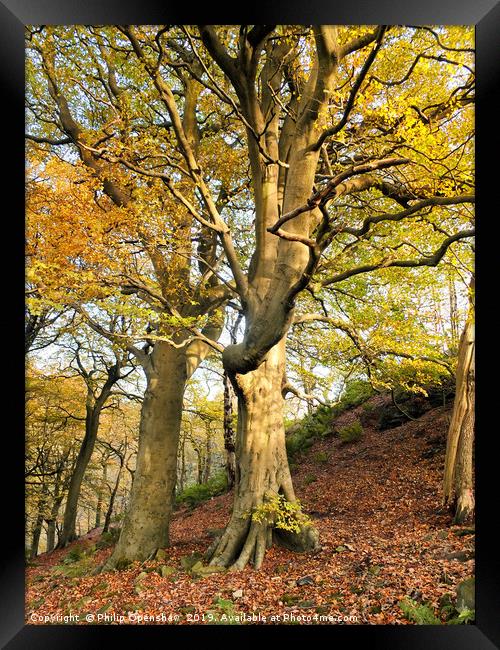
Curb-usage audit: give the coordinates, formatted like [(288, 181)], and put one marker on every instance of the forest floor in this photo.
[(384, 537)]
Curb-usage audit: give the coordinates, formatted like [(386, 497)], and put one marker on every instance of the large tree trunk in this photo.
[(463, 471), (54, 510), (199, 474), (457, 484), (261, 471), (146, 524)]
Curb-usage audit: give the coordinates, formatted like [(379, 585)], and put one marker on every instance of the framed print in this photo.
[(249, 297)]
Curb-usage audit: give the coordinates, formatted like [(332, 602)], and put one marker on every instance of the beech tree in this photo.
[(284, 163), (143, 257), (458, 478), (358, 161)]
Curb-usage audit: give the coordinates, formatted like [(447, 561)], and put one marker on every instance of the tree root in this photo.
[(464, 507), (243, 544)]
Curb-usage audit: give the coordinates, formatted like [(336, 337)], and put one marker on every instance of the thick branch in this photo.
[(219, 54), (358, 43), (330, 190), (194, 169), (398, 216), (430, 260), (111, 336), (50, 141), (290, 388), (354, 91)]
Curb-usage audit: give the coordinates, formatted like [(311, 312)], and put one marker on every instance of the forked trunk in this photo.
[(462, 478), (146, 524), (262, 471), (109, 511), (51, 534), (54, 511), (51, 523)]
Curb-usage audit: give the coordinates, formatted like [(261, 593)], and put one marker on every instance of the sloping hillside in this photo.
[(384, 536)]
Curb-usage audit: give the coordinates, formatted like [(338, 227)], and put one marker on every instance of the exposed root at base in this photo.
[(464, 508), (240, 545)]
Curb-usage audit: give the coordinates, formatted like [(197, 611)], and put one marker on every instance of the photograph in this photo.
[(249, 310)]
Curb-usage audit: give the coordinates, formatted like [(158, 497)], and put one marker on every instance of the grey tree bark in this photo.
[(280, 268), (146, 523), (458, 471), (262, 469)]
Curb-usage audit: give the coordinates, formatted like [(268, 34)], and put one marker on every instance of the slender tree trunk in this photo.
[(261, 470), (182, 474), (199, 479), (208, 456), (98, 511), (94, 408), (54, 511), (457, 484), (51, 534), (37, 529), (453, 312), (68, 533), (53, 527), (146, 524), (229, 436), (109, 511), (51, 523)]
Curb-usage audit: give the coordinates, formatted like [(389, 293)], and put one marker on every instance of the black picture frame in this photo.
[(485, 15)]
